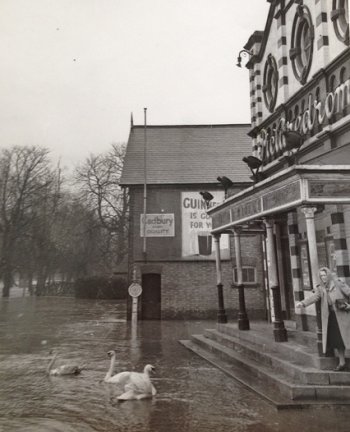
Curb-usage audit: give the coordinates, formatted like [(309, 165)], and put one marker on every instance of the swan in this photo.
[(121, 378), (66, 369), (137, 385)]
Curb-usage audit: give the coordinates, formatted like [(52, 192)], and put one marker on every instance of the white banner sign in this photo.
[(158, 225), (196, 226)]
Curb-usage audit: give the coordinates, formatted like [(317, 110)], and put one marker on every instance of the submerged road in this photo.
[(193, 396)]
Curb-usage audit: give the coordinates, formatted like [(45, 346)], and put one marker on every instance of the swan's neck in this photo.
[(51, 363), (111, 367)]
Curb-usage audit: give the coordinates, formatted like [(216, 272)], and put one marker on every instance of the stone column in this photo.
[(243, 321), (279, 331), (222, 318), (309, 213)]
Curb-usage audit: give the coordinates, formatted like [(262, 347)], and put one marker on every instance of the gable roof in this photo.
[(187, 154)]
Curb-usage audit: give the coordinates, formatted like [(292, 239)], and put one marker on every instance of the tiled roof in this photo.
[(187, 154)]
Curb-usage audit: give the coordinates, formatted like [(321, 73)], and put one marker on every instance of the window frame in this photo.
[(246, 283), (340, 18), (302, 30), (270, 86)]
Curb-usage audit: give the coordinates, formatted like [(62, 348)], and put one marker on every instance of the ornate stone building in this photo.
[(299, 72)]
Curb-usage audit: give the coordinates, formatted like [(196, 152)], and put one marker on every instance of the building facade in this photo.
[(171, 250), (299, 72)]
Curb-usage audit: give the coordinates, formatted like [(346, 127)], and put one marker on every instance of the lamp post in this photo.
[(254, 165), (244, 53), (207, 196), (226, 183)]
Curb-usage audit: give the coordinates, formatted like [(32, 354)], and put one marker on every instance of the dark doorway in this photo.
[(151, 297)]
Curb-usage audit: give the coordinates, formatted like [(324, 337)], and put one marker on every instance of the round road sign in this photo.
[(135, 290)]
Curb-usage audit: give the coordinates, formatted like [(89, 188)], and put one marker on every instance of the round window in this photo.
[(270, 86), (340, 18), (302, 44)]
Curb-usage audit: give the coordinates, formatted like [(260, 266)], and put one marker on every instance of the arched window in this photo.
[(270, 86), (302, 44), (340, 18)]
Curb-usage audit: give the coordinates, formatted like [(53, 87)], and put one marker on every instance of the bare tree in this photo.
[(98, 179), (25, 176)]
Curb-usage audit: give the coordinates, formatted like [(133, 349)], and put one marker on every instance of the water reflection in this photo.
[(192, 395)]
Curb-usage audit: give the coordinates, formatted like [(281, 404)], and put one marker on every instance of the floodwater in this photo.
[(193, 396)]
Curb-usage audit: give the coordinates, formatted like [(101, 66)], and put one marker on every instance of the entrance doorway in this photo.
[(151, 296)]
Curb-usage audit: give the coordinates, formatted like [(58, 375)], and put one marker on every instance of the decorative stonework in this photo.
[(286, 194), (318, 189)]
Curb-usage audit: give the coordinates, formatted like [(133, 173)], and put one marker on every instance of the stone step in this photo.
[(274, 380), (296, 351), (257, 385), (302, 372)]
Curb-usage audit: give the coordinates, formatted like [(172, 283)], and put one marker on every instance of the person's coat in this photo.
[(338, 290)]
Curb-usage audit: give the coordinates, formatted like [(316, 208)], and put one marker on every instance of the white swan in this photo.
[(66, 369), (121, 378), (137, 385)]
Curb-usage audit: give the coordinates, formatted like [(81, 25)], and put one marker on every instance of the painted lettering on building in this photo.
[(157, 225), (197, 241), (272, 143)]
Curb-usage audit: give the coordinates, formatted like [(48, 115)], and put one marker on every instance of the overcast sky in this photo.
[(72, 71)]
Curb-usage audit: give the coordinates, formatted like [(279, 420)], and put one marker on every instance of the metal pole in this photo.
[(243, 321), (279, 331), (144, 250), (222, 317)]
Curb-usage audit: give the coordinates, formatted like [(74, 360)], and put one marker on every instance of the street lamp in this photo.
[(226, 183), (254, 165), (294, 141), (243, 53), (207, 196)]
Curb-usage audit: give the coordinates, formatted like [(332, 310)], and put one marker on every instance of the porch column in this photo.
[(222, 318), (309, 213), (243, 321), (279, 331)]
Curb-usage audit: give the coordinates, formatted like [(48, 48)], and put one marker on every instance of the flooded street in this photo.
[(193, 396)]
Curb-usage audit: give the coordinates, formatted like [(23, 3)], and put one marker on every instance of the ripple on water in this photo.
[(192, 395)]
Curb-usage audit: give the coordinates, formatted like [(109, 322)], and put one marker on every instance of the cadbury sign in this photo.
[(273, 144)]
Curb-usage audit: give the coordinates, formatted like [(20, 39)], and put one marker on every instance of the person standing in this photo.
[(334, 295)]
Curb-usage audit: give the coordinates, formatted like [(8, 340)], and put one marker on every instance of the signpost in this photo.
[(135, 290)]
